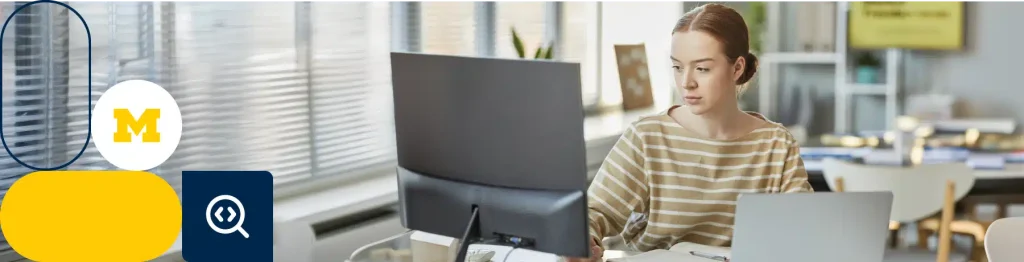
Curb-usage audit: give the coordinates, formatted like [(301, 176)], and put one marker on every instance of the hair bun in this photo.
[(749, 68)]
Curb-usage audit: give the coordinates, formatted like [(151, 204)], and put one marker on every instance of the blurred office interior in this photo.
[(302, 89)]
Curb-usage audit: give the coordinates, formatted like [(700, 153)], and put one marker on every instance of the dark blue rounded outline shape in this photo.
[(89, 134)]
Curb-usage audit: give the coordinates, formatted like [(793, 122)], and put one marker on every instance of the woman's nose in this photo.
[(687, 82)]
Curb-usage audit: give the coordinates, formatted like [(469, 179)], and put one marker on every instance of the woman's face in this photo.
[(705, 78)]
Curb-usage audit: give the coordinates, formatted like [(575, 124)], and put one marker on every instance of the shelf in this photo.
[(801, 58), (866, 89)]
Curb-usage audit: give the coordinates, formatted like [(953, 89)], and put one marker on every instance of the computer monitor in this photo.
[(492, 149)]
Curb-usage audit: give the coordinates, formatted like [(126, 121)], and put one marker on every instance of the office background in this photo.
[(303, 89)]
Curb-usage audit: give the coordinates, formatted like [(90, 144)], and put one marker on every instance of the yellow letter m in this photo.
[(147, 121)]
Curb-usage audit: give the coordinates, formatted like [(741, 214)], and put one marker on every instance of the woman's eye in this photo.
[(702, 69), (677, 68)]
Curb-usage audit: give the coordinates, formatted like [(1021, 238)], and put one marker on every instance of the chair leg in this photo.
[(922, 238), (978, 251), (894, 238), (1001, 210), (971, 211), (978, 255)]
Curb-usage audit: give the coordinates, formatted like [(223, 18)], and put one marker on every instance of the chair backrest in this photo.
[(293, 241), (1003, 241), (918, 191)]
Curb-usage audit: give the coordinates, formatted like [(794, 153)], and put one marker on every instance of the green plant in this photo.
[(541, 53), (868, 60), (755, 18)]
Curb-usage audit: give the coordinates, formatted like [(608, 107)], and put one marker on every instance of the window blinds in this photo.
[(351, 86), (261, 86), (448, 28), (243, 97), (34, 90), (528, 18)]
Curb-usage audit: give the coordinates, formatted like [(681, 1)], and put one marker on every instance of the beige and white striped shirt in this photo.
[(661, 184)]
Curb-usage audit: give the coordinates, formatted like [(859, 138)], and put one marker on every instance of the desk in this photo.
[(403, 242), (1009, 180)]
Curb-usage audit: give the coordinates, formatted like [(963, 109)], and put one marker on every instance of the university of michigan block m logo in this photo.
[(144, 125)]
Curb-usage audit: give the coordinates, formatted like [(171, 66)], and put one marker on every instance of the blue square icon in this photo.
[(227, 216)]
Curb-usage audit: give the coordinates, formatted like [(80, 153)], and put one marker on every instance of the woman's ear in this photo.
[(738, 68)]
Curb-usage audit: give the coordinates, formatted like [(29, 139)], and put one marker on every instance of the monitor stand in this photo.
[(472, 232)]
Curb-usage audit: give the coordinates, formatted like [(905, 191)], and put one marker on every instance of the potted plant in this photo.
[(868, 68), (541, 53)]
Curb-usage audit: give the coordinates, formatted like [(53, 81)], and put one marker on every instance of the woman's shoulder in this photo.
[(653, 124), (773, 131)]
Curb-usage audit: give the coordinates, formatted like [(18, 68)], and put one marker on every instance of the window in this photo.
[(528, 18), (299, 89), (35, 86), (580, 45), (448, 28), (621, 25), (351, 86), (580, 41)]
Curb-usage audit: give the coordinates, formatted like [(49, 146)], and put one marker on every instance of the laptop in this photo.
[(806, 227)]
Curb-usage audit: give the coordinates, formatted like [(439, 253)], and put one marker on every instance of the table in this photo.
[(403, 242), (1009, 180)]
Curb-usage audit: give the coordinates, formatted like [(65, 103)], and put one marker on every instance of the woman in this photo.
[(675, 177)]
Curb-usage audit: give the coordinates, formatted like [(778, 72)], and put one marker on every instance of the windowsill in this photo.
[(379, 187)]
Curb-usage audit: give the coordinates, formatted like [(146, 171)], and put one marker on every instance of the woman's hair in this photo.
[(726, 25)]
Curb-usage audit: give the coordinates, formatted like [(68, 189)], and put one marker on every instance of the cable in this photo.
[(509, 254)]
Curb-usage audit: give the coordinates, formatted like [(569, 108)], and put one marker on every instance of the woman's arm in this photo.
[(620, 187), (794, 176)]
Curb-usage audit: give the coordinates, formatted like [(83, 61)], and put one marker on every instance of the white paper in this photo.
[(986, 162)]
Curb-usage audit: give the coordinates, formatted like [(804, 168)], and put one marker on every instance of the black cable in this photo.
[(509, 254)]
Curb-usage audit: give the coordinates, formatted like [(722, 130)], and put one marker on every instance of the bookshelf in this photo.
[(774, 58)]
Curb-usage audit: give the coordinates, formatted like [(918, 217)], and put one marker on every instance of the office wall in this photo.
[(986, 77)]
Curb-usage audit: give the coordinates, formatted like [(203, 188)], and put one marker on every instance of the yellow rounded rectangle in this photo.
[(91, 215)]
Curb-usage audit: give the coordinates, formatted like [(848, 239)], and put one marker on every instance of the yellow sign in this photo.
[(912, 25), (147, 121)]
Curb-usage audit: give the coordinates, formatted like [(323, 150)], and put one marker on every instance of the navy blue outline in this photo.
[(89, 134)]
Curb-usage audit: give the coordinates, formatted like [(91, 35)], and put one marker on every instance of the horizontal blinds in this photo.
[(352, 119), (448, 28), (528, 18), (35, 88), (256, 91), (114, 38), (244, 99)]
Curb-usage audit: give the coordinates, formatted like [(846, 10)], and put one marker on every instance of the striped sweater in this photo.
[(661, 184)]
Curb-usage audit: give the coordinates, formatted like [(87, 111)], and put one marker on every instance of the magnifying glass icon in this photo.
[(230, 218)]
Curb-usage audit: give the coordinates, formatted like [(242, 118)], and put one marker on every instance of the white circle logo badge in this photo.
[(136, 125)]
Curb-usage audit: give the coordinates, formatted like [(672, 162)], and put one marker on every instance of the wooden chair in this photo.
[(918, 192), (970, 224), (1003, 241), (966, 226)]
